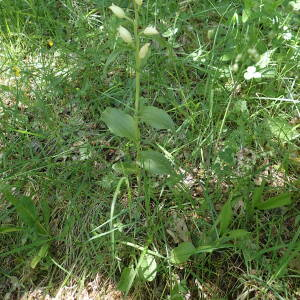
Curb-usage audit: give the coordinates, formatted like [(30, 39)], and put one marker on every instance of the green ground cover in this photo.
[(201, 202)]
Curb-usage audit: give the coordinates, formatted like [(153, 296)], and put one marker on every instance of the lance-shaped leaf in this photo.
[(127, 168), (156, 163), (236, 234), (275, 202), (27, 212), (225, 216), (9, 228), (41, 254), (156, 118), (120, 123), (258, 195), (126, 280)]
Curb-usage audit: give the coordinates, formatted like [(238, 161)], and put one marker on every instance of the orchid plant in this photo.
[(122, 124), (125, 125)]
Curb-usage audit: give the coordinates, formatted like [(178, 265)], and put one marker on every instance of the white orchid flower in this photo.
[(150, 30), (144, 50), (125, 35), (118, 11)]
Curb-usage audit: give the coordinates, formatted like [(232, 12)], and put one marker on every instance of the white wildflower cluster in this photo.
[(286, 35), (295, 5), (125, 34), (251, 73)]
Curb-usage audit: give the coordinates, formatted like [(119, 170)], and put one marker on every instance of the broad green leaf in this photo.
[(275, 202), (148, 267), (126, 280), (156, 118), (120, 123), (182, 253), (225, 216), (282, 130), (155, 162), (8, 228)]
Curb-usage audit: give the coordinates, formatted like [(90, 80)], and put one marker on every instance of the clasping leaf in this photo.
[(157, 118), (120, 123), (156, 163)]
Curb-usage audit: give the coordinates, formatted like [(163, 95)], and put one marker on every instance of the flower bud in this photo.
[(150, 30), (144, 50), (139, 2), (118, 11), (125, 35)]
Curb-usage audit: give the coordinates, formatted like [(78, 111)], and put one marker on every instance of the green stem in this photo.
[(137, 62), (137, 88)]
